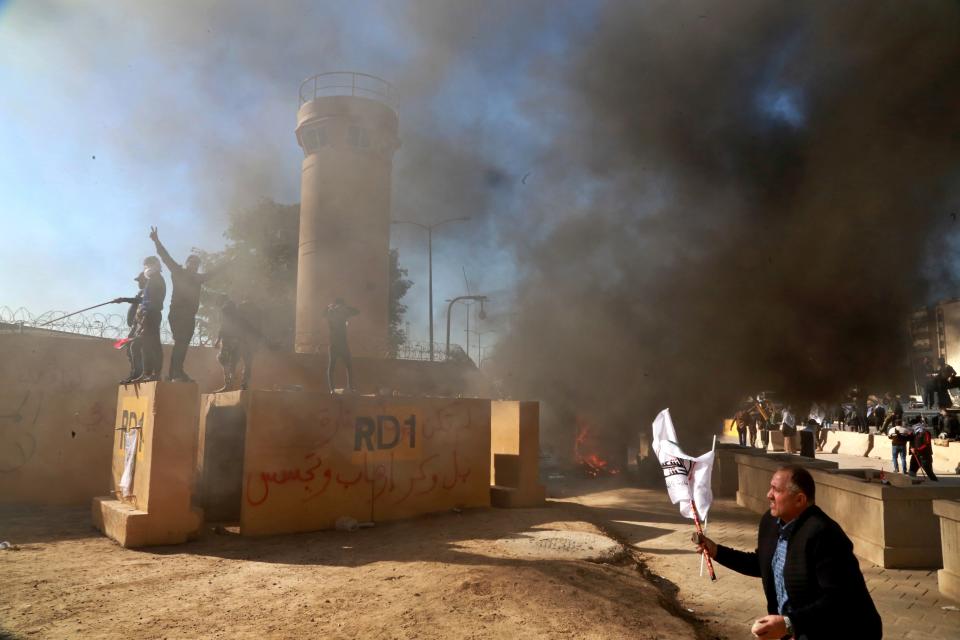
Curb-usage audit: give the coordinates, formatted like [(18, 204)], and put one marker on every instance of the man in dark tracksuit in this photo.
[(338, 315), (811, 578), (184, 304), (150, 315), (134, 350)]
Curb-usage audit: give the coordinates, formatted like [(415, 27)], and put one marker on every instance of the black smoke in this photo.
[(762, 193)]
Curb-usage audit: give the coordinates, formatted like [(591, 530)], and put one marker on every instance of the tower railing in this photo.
[(348, 83)]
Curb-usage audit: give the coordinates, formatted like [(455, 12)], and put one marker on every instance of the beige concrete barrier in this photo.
[(753, 478), (946, 454), (155, 441), (851, 443), (515, 454), (310, 458), (890, 525), (948, 578), (724, 480)]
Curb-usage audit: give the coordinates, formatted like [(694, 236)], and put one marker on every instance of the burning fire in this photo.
[(593, 464)]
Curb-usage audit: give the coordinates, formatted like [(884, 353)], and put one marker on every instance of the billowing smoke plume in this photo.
[(762, 191)]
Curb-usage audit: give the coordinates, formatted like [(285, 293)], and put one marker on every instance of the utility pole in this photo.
[(429, 228)]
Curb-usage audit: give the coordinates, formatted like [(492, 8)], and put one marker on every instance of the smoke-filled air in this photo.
[(673, 204), (755, 195)]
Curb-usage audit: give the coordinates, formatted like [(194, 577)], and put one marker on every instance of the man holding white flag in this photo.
[(678, 469)]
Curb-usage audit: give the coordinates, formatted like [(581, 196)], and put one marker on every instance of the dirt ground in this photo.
[(441, 576)]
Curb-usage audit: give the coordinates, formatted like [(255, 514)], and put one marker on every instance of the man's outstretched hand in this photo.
[(153, 234), (772, 627)]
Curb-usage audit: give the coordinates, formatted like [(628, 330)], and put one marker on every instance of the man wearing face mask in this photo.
[(184, 304), (811, 578), (150, 314)]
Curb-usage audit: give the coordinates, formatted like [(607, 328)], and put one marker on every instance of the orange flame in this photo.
[(592, 463)]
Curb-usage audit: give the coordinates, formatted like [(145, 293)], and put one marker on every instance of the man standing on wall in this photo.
[(239, 335), (184, 304), (338, 315), (811, 578), (133, 345), (946, 379), (150, 315)]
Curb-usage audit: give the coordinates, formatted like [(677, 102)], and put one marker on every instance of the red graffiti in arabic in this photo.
[(266, 478), (456, 474)]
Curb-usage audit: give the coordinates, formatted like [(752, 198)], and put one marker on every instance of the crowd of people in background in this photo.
[(930, 415)]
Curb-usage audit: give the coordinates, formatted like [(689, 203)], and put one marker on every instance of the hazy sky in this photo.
[(116, 116)]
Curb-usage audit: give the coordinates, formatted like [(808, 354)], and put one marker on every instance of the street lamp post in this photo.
[(482, 315), (430, 228), (480, 335)]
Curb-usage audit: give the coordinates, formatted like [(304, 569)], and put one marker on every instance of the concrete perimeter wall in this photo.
[(58, 407), (58, 400), (310, 458)]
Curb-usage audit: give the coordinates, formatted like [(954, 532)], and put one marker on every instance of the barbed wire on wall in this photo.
[(112, 326)]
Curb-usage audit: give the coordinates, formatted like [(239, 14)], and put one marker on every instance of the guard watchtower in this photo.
[(347, 127)]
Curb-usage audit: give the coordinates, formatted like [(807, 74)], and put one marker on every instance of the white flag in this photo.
[(132, 437), (685, 475)]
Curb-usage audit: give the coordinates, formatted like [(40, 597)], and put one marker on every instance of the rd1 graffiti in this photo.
[(364, 428)]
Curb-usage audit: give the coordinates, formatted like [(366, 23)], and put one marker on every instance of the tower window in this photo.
[(358, 137), (314, 139)]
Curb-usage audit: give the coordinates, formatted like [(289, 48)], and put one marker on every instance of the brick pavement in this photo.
[(908, 600)]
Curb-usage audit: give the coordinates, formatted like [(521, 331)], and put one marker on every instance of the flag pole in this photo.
[(696, 521), (707, 518), (76, 312)]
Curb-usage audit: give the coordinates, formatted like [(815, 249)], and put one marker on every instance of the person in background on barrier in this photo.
[(788, 427), (946, 379), (238, 339), (184, 303), (753, 421), (741, 420), (894, 411), (921, 451), (928, 378), (860, 403), (133, 346), (949, 427), (761, 415), (899, 437), (811, 579), (149, 316), (817, 421), (338, 315), (876, 411)]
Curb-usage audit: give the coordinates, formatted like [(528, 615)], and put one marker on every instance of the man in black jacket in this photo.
[(811, 578), (134, 349), (184, 304), (149, 316)]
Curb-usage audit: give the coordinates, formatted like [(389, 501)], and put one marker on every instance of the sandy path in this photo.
[(443, 576)]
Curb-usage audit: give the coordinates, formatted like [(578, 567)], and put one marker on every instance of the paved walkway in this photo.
[(908, 600)]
